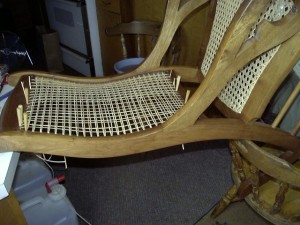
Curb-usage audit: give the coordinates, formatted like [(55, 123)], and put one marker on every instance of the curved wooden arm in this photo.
[(174, 15), (226, 63), (188, 74), (268, 163)]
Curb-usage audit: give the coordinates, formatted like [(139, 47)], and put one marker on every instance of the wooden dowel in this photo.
[(287, 105), (296, 129), (29, 82), (25, 118), (124, 49), (26, 94), (187, 95), (138, 42), (177, 82), (22, 84), (20, 115)]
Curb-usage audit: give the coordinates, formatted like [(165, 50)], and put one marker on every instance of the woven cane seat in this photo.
[(101, 109)]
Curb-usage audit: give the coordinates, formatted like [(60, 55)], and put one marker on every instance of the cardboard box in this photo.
[(48, 43)]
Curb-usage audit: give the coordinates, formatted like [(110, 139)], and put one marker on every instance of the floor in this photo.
[(238, 213)]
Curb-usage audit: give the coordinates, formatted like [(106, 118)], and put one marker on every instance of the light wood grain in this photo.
[(10, 211), (184, 126)]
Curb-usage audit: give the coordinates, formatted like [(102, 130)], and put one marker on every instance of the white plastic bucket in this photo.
[(125, 65)]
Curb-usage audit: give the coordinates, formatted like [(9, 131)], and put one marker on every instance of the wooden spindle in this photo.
[(255, 182), (124, 49), (25, 118), (20, 115), (225, 201), (280, 197), (177, 82), (138, 40), (237, 162), (29, 82), (26, 94), (187, 95)]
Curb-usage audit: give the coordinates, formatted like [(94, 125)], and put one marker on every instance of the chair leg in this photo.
[(237, 162), (225, 201), (255, 182), (231, 194)]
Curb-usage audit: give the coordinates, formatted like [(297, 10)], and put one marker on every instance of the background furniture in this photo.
[(274, 182), (139, 37), (140, 31), (31, 13), (113, 12)]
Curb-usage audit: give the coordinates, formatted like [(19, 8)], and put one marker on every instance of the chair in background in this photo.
[(251, 47), (273, 182), (137, 39)]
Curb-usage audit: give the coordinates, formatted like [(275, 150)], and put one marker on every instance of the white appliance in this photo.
[(76, 23), (8, 160)]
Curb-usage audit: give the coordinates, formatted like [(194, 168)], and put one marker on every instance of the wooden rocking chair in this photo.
[(247, 56)]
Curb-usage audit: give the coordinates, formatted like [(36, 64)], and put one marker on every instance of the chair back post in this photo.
[(224, 65), (262, 76), (175, 13), (237, 50), (124, 49)]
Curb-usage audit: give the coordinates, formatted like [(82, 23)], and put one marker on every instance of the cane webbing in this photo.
[(238, 90), (106, 109), (225, 11)]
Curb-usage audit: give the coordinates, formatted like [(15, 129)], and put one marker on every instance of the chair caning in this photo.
[(112, 108), (238, 90), (225, 11)]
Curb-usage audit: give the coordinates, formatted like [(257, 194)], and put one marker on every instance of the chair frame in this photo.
[(189, 124)]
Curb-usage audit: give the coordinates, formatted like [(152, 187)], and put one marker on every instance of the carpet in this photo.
[(164, 187), (237, 213)]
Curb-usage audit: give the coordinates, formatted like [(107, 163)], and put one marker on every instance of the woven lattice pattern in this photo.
[(225, 11), (107, 109), (238, 90)]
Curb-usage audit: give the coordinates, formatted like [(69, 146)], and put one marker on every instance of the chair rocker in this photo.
[(252, 45)]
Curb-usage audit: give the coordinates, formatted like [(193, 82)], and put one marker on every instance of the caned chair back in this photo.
[(247, 94)]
